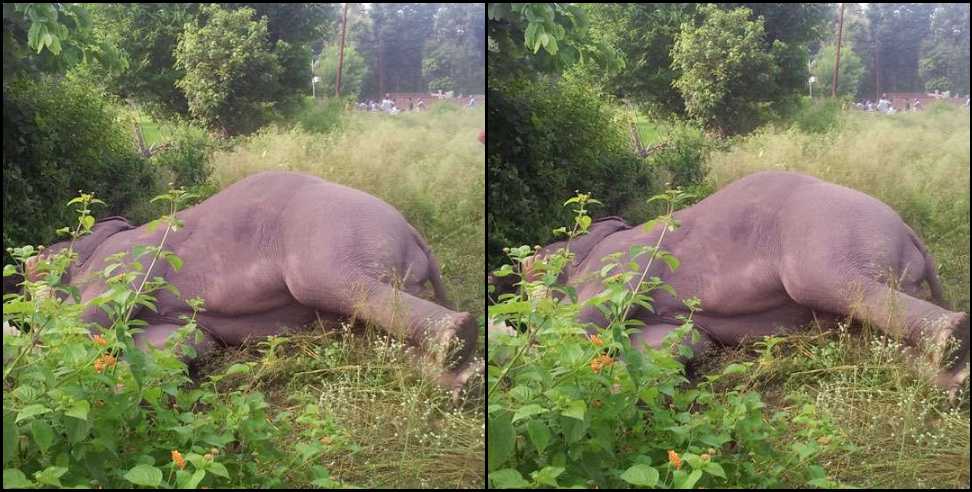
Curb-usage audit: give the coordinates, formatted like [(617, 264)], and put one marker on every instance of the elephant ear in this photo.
[(103, 229)]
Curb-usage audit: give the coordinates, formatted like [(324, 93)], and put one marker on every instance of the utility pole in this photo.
[(344, 28), (840, 32)]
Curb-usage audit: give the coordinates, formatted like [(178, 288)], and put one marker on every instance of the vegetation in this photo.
[(341, 406), (574, 406)]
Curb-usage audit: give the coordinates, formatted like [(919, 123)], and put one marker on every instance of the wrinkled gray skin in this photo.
[(275, 250), (770, 253)]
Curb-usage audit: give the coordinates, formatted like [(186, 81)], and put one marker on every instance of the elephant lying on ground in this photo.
[(277, 251), (770, 253)]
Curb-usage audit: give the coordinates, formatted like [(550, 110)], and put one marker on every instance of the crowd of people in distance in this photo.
[(388, 106), (885, 106)]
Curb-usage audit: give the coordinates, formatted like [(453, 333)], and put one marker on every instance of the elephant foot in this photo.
[(954, 326)]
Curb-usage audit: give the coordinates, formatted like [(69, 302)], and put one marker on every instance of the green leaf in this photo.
[(237, 369), (218, 469), (9, 441), (641, 476), (510, 307), (499, 439), (508, 478), (174, 261), (527, 411), (715, 469), (575, 409), (145, 475), (15, 479), (584, 222), (79, 409), (193, 480), (51, 475), (691, 480), (43, 434), (30, 411), (734, 369), (548, 475), (539, 434)]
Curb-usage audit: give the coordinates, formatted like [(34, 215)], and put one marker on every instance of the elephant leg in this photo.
[(916, 321), (449, 335)]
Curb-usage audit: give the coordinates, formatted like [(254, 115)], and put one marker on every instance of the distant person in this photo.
[(907, 106), (421, 105), (870, 105), (411, 106), (916, 106), (387, 104), (472, 102), (883, 105)]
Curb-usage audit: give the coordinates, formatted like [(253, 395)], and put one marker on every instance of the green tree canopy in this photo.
[(724, 70), (849, 77), (228, 69)]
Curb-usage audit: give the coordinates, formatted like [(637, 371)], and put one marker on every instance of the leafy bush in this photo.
[(189, 155), (78, 414), (59, 137), (568, 409), (683, 155), (548, 140), (819, 116), (322, 116)]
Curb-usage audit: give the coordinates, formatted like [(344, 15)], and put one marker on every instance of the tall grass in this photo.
[(899, 431)]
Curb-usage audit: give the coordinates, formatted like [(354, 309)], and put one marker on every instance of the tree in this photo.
[(724, 71), (455, 56), (230, 75), (352, 75), (944, 62), (646, 34), (849, 77), (148, 35), (52, 38)]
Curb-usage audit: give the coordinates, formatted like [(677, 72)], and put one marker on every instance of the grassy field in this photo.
[(894, 431), (389, 428)]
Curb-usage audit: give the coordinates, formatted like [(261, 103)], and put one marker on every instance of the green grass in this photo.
[(895, 430), (650, 132), (400, 430)]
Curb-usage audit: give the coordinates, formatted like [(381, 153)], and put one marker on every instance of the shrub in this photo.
[(322, 116), (570, 410), (820, 116), (189, 156), (548, 140), (59, 137)]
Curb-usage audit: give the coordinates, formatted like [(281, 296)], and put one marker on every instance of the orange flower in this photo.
[(177, 459), (596, 340), (100, 340), (601, 362), (104, 362), (674, 459)]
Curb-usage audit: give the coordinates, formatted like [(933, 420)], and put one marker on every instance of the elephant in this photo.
[(767, 255), (279, 250)]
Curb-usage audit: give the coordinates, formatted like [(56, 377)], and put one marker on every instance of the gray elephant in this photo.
[(277, 250), (772, 252)]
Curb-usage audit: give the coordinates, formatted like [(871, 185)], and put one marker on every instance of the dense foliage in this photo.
[(42, 169), (547, 140)]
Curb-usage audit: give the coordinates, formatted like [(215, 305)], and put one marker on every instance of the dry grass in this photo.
[(893, 428)]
